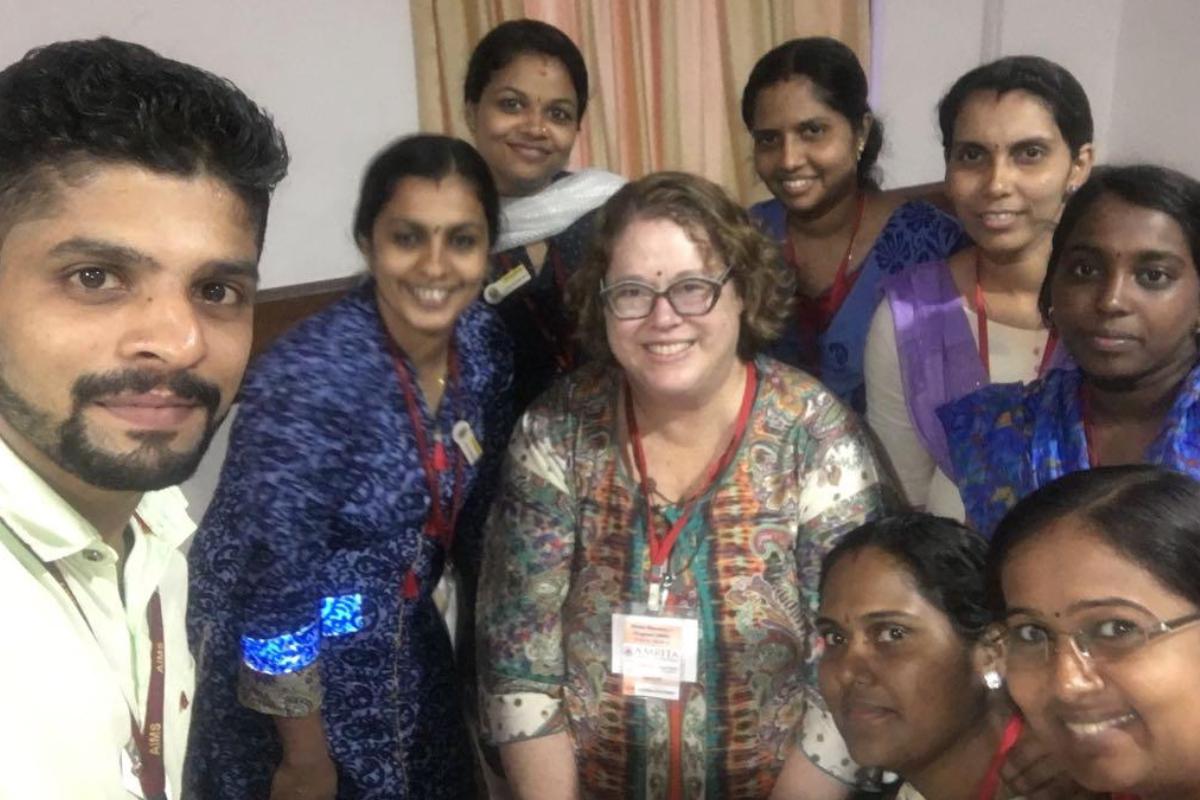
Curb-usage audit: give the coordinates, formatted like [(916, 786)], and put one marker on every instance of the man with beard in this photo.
[(133, 200)]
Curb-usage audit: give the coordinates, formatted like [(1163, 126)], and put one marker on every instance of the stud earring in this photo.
[(992, 679)]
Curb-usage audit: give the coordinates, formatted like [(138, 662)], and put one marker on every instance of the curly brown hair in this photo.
[(721, 230)]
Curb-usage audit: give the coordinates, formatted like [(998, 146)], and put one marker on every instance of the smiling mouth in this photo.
[(667, 348), (998, 219), (529, 152), (1093, 728), (797, 185), (430, 296)]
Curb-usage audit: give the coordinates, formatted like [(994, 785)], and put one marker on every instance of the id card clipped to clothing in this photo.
[(653, 654)]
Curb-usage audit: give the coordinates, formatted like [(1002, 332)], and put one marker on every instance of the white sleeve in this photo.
[(887, 409)]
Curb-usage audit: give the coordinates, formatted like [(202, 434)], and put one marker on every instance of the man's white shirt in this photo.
[(66, 693)]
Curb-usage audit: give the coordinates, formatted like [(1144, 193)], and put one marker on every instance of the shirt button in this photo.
[(93, 555)]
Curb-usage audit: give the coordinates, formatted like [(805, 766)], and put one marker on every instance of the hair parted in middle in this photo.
[(721, 230)]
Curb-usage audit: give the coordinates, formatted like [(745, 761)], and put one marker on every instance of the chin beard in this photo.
[(151, 466)]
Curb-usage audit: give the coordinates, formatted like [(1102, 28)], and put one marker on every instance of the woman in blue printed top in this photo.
[(360, 466), (815, 146), (525, 92)]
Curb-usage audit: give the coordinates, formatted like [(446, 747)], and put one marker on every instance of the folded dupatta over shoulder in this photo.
[(1007, 440), (531, 219)]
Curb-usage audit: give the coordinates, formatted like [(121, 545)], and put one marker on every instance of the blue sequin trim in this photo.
[(288, 652), (341, 615)]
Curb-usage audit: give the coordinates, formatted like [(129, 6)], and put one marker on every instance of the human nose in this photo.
[(853, 663), (662, 313), (1073, 671), (167, 329), (1111, 299), (434, 258), (533, 123), (999, 177), (794, 154)]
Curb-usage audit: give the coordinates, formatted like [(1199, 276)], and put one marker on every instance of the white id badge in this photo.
[(464, 437), (653, 654), (506, 284)]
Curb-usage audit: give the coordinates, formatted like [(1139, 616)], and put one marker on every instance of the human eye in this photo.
[(1154, 278), (1031, 153), (509, 104), (1082, 269), (764, 140), (891, 633), (561, 115), (811, 131), (832, 638), (406, 238), (94, 279), (222, 293), (1115, 630), (968, 154), (1026, 635), (464, 241)]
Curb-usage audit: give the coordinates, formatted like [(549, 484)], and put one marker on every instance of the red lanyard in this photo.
[(982, 320), (441, 521), (826, 306), (660, 547), (150, 770), (559, 342), (991, 780)]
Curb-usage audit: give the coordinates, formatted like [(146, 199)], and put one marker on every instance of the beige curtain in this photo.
[(666, 75)]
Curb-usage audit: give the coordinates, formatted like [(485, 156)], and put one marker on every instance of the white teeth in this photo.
[(1096, 728), (430, 295), (798, 184), (999, 216), (668, 349)]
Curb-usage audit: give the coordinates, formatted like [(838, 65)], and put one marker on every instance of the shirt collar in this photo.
[(53, 529)]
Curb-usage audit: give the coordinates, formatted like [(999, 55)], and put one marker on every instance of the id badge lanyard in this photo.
[(147, 756), (660, 579), (435, 459)]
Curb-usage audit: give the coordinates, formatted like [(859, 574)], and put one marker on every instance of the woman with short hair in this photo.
[(651, 559)]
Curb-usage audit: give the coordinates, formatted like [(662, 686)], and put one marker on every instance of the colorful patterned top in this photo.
[(565, 547), (312, 574), (1007, 440), (915, 232)]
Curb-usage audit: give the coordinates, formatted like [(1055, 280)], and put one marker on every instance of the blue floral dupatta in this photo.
[(1007, 440)]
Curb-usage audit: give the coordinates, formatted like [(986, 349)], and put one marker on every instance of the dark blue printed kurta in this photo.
[(299, 569)]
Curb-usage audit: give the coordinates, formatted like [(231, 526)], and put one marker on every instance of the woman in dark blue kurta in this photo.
[(312, 573)]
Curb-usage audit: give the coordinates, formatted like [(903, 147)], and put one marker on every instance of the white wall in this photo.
[(339, 78), (923, 46), (1156, 100)]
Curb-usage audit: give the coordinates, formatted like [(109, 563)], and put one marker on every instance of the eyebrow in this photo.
[(515, 90), (872, 616), (1140, 255), (121, 254), (799, 124), (1032, 140), (1082, 605)]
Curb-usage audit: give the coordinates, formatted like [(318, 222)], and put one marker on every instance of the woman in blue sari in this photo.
[(815, 147), (1122, 292)]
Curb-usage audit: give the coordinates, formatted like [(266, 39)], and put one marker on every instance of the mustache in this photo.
[(182, 384)]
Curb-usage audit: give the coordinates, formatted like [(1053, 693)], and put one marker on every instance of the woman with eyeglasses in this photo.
[(651, 561), (1095, 575)]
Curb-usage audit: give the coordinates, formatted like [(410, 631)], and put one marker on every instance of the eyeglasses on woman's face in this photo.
[(692, 296), (1103, 638)]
